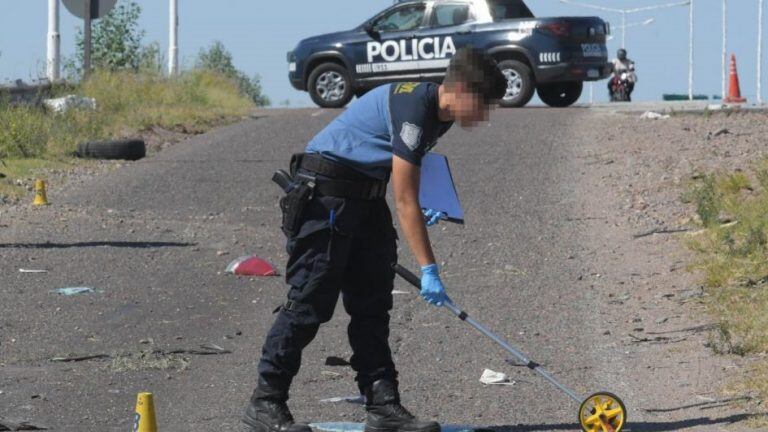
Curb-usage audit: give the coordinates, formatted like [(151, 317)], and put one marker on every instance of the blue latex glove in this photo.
[(432, 289), (432, 217)]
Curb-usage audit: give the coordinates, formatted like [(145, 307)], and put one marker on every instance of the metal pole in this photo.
[(760, 53), (624, 29), (173, 39), (54, 42), (591, 93), (690, 51), (725, 46), (87, 39)]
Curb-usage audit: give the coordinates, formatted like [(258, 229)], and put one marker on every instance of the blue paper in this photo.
[(437, 190)]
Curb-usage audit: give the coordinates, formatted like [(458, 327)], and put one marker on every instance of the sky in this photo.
[(259, 33)]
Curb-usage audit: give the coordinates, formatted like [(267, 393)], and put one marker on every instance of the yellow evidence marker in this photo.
[(144, 419)]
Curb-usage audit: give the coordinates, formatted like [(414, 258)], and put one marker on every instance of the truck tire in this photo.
[(520, 83), (131, 149), (560, 94), (330, 86)]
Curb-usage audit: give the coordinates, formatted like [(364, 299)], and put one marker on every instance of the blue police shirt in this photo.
[(400, 119)]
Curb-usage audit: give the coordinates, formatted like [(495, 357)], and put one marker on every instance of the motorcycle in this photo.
[(620, 88)]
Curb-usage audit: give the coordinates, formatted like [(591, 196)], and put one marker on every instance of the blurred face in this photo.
[(467, 108)]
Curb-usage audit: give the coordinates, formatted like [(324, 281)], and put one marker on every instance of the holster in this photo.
[(299, 190)]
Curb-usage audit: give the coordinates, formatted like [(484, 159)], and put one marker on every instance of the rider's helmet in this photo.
[(621, 54)]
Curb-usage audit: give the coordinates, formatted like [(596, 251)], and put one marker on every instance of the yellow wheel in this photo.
[(602, 412)]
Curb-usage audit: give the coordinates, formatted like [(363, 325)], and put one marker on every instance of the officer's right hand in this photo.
[(432, 289)]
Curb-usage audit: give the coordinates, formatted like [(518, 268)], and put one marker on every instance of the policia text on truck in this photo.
[(341, 239), (415, 39)]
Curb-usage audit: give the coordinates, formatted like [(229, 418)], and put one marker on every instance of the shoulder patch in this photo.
[(411, 135), (408, 87)]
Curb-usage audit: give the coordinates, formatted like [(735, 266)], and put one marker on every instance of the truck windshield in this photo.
[(509, 9)]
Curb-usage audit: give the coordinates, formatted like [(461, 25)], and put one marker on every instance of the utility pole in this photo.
[(87, 39), (173, 39), (690, 51), (54, 42), (725, 46), (624, 29), (760, 52)]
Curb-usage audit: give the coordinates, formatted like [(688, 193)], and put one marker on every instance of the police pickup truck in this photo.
[(413, 40)]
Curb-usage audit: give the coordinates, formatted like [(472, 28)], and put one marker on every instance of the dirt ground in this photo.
[(636, 171)]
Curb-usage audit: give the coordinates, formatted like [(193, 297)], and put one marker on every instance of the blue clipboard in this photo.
[(437, 190)]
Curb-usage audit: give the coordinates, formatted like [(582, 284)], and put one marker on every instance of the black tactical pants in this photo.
[(344, 246)]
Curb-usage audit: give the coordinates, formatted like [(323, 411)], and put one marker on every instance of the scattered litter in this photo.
[(354, 399), (496, 378), (400, 292), (21, 270), (650, 115), (64, 104), (7, 424), (74, 291), (336, 361), (79, 358), (662, 320), (715, 107), (251, 266)]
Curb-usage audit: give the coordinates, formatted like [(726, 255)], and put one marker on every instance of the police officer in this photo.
[(341, 239)]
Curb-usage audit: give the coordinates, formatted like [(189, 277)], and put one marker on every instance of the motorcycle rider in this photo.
[(623, 65)]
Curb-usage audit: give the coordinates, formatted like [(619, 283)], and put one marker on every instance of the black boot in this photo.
[(385, 414), (268, 411)]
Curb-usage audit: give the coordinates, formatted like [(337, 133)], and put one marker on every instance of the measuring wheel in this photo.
[(602, 412)]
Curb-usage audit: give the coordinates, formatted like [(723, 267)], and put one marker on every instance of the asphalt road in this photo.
[(154, 237)]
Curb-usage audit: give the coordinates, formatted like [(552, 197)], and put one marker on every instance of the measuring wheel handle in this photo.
[(602, 412)]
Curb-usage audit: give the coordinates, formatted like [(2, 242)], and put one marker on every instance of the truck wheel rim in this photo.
[(514, 83), (331, 86)]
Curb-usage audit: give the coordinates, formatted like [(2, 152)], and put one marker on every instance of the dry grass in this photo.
[(127, 104), (732, 254)]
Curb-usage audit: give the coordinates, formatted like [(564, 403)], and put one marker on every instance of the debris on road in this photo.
[(251, 266), (721, 131), (354, 399), (74, 291), (79, 358), (336, 361), (651, 115), (19, 425), (490, 377), (400, 292), (660, 231), (204, 349), (66, 103), (657, 339), (331, 375), (21, 270)]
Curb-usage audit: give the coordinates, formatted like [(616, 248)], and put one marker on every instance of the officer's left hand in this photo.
[(432, 217), (432, 289)]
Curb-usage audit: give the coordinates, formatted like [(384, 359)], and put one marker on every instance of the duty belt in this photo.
[(341, 181)]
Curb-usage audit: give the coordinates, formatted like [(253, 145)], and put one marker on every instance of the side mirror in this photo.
[(368, 27)]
